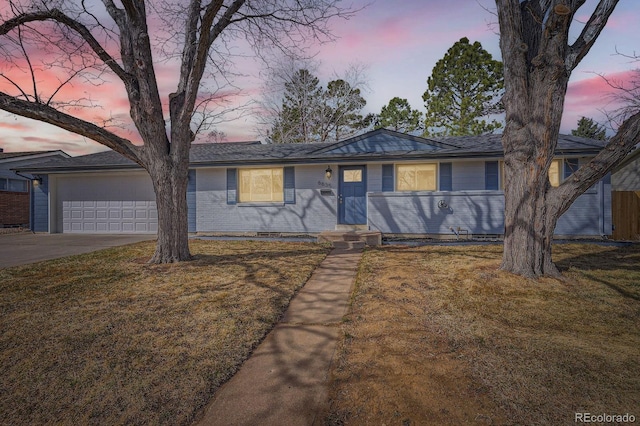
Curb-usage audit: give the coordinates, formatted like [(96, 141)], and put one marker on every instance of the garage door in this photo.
[(106, 203), (109, 216)]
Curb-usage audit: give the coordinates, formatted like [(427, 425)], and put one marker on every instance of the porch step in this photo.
[(369, 238), (346, 228)]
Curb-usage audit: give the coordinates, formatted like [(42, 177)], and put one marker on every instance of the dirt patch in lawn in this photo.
[(438, 335), (102, 338)]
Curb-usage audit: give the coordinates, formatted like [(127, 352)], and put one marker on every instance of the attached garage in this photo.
[(104, 203)]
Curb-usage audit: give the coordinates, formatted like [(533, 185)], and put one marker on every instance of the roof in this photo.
[(29, 155), (10, 161), (377, 145)]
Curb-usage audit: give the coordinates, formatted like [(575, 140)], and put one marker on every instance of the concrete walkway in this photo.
[(284, 382)]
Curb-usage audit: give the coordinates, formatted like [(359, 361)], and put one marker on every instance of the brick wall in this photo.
[(14, 208)]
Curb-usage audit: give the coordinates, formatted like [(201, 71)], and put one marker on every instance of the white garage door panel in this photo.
[(109, 216), (111, 202)]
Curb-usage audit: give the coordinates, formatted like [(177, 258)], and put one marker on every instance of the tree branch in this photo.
[(612, 154), (80, 29), (590, 32), (47, 114)]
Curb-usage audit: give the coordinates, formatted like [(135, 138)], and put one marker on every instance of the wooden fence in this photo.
[(625, 209)]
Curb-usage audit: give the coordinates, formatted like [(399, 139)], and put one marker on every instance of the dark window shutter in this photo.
[(491, 175), (570, 166), (387, 178), (232, 186), (289, 185), (446, 178)]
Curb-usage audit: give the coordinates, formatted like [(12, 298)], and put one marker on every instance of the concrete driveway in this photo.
[(23, 248)]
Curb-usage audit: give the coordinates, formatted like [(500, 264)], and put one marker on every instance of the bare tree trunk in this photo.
[(529, 219), (535, 86), (170, 185)]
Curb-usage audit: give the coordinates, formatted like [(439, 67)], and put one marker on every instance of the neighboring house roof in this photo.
[(10, 161), (6, 157), (377, 145), (632, 156)]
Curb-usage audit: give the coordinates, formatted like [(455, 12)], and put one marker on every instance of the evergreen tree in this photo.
[(311, 114), (340, 116), (464, 86), (297, 122), (587, 128), (397, 115)]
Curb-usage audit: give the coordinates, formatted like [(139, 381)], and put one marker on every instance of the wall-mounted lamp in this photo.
[(328, 172), (37, 180)]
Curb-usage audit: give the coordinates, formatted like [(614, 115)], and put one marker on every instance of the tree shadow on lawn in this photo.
[(607, 265)]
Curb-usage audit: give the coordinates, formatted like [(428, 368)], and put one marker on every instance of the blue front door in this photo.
[(352, 197)]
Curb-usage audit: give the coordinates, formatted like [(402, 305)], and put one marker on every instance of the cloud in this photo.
[(588, 97), (14, 126)]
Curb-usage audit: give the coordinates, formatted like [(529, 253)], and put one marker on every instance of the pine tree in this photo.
[(340, 115), (298, 118), (311, 114), (464, 86), (397, 115), (587, 128)]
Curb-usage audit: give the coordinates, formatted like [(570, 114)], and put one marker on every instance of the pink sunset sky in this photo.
[(397, 41)]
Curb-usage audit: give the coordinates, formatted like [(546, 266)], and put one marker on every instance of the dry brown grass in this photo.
[(104, 338), (438, 335)]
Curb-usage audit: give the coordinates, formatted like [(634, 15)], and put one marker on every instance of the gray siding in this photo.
[(589, 215), (40, 207), (312, 211), (628, 177), (480, 212), (191, 201)]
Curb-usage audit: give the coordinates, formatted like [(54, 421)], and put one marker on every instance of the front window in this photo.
[(261, 185), (554, 173), (416, 177)]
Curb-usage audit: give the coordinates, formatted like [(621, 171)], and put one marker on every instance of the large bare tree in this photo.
[(538, 60), (125, 40)]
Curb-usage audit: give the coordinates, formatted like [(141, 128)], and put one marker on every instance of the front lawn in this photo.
[(438, 335), (105, 338)]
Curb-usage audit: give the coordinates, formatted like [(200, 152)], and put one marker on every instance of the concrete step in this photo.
[(346, 228), (369, 238)]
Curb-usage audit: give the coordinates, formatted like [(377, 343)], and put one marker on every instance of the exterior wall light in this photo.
[(328, 172)]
